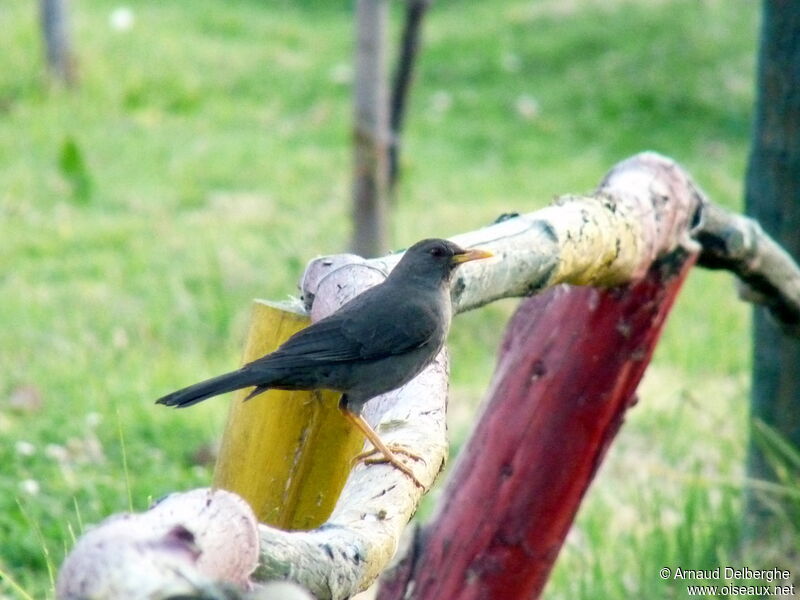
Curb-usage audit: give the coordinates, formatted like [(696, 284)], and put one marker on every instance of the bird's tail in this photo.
[(212, 387)]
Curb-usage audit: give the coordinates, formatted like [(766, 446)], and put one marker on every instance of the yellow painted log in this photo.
[(287, 453)]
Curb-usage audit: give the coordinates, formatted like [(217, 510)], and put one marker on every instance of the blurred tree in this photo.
[(773, 198), (409, 48), (57, 39), (370, 185)]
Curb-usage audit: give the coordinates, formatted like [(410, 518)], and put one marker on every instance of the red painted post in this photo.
[(568, 371)]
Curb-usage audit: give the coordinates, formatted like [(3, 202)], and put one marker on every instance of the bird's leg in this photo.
[(380, 447)]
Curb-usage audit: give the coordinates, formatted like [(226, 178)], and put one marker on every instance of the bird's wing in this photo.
[(362, 330)]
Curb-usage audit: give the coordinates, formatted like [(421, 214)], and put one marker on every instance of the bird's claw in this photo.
[(366, 457), (380, 458)]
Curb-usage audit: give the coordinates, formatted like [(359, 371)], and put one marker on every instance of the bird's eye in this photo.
[(437, 251)]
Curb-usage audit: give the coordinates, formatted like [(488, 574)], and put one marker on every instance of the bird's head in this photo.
[(436, 259)]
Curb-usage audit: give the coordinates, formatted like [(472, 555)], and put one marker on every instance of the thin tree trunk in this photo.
[(409, 49), (371, 130), (773, 199), (57, 39)]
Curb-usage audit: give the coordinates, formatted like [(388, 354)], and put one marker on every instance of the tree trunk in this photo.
[(370, 184), (409, 48), (773, 199), (58, 41)]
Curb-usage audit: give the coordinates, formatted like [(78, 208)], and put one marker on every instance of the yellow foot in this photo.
[(382, 458)]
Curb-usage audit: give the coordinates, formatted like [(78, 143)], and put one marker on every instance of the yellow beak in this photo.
[(469, 255)]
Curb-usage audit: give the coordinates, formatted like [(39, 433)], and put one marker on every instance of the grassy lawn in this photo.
[(205, 158)]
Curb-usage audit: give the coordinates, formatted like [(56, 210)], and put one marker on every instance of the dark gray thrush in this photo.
[(375, 343)]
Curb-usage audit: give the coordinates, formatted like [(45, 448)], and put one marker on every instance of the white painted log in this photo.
[(767, 273), (185, 544), (644, 208)]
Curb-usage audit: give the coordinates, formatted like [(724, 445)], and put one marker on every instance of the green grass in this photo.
[(205, 157)]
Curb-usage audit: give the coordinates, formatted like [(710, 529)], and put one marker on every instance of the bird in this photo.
[(373, 344)]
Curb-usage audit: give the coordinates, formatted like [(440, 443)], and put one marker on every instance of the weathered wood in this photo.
[(287, 453), (182, 546), (768, 274), (646, 207)]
